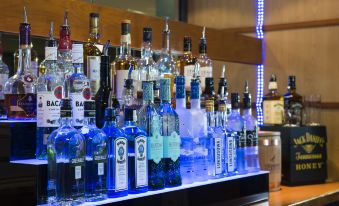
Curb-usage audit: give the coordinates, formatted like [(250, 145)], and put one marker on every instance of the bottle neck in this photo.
[(146, 51), (210, 118), (24, 63), (166, 43), (181, 103), (78, 68), (105, 77), (195, 103), (292, 90), (110, 123), (129, 123), (125, 49), (247, 111), (235, 110)]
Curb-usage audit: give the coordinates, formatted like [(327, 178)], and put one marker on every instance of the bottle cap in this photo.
[(65, 108), (147, 87), (209, 85), (180, 87), (165, 89), (94, 15), (65, 42), (187, 43), (235, 100), (94, 23), (291, 81), (203, 43), (89, 108), (195, 89), (147, 34), (247, 101), (125, 27), (273, 78), (130, 114), (25, 31)]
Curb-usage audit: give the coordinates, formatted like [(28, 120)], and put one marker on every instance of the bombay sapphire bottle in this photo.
[(149, 121), (137, 153), (117, 165), (251, 133), (66, 157), (236, 126), (96, 155), (170, 132), (185, 131), (49, 94)]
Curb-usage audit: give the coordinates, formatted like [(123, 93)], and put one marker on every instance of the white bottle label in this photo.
[(77, 108), (101, 168), (51, 53), (120, 164), (93, 68), (77, 172), (273, 111), (48, 107), (77, 54), (140, 149), (230, 153), (188, 73), (217, 155), (205, 72), (121, 75)]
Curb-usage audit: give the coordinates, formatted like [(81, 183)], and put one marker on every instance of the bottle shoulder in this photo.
[(167, 109)]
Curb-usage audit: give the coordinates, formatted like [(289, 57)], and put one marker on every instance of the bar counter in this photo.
[(320, 194)]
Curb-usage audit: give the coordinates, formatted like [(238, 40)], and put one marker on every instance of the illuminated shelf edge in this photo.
[(29, 162)]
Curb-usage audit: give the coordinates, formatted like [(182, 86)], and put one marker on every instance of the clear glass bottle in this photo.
[(66, 160), (49, 95), (186, 64), (96, 156), (117, 163), (79, 86), (185, 131), (273, 104), (4, 72), (124, 61), (237, 127), (251, 125), (92, 52), (170, 132), (206, 66), (149, 121), (137, 153), (65, 50), (293, 104), (20, 89)]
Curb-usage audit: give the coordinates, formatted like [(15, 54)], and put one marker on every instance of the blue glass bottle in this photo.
[(149, 121), (117, 162), (96, 155), (170, 132), (252, 153), (66, 154), (236, 126), (137, 153)]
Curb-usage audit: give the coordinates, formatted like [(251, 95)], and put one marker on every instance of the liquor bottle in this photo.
[(156, 91), (124, 61), (293, 104), (92, 52), (199, 131), (4, 71), (223, 91), (166, 64), (185, 131), (102, 96), (222, 123), (79, 86), (273, 104), (65, 50), (146, 66), (137, 153), (236, 126), (66, 159), (20, 89), (49, 95), (149, 121), (209, 93), (250, 123), (170, 132), (186, 65), (117, 163), (206, 69), (96, 155)]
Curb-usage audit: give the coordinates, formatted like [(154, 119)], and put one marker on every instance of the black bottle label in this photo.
[(241, 139), (251, 138)]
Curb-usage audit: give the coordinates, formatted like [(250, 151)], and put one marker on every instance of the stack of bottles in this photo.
[(159, 127)]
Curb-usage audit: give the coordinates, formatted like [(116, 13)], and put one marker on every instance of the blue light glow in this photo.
[(260, 67)]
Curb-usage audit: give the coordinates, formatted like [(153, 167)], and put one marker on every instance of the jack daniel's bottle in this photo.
[(292, 104)]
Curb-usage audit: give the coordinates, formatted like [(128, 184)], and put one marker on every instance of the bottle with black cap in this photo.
[(96, 155), (236, 139), (137, 153), (117, 149), (273, 104), (251, 125), (223, 91), (102, 96), (293, 104), (92, 52), (66, 154), (209, 93), (149, 121)]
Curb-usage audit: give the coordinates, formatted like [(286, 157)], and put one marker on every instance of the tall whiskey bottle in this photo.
[(206, 70), (92, 52), (273, 104), (186, 64), (124, 61), (20, 89), (293, 104)]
